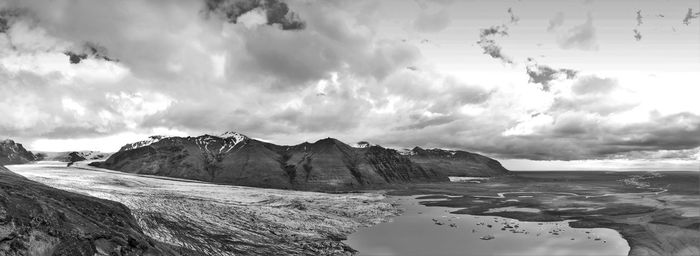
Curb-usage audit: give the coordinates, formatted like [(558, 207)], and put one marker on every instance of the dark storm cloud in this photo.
[(277, 12), (570, 136), (683, 154), (582, 36), (544, 75), (88, 49), (689, 16), (8, 16), (556, 22), (5, 20), (673, 132), (637, 35), (488, 43)]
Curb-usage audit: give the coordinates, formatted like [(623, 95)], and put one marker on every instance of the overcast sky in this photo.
[(537, 84)]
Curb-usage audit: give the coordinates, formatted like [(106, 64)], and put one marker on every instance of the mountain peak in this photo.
[(235, 135), (7, 141), (329, 141)]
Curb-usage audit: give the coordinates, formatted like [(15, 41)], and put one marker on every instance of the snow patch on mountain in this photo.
[(223, 143), (143, 143), (406, 152)]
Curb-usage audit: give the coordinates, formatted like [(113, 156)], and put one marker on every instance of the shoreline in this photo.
[(653, 220)]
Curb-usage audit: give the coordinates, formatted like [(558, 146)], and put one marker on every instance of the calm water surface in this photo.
[(423, 230)]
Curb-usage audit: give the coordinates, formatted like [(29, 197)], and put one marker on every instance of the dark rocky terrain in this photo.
[(14, 153), (232, 158), (39, 220), (456, 162)]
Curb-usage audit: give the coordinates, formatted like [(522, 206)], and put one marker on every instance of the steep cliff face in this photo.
[(239, 160), (393, 166), (39, 220), (14, 153), (456, 162)]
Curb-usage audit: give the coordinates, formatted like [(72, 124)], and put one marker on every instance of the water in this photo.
[(434, 231)]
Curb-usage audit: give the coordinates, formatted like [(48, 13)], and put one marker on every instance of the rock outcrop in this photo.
[(236, 159), (456, 162), (14, 153), (39, 220)]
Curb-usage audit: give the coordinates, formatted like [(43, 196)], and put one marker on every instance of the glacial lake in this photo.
[(423, 230)]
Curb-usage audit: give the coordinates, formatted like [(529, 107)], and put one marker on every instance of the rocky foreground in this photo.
[(36, 219), (14, 153), (208, 219)]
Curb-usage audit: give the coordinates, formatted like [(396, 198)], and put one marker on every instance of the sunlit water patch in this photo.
[(514, 209), (422, 230)]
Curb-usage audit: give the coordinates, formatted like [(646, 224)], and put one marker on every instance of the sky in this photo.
[(539, 85)]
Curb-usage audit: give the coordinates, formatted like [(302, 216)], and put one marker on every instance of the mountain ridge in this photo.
[(236, 159)]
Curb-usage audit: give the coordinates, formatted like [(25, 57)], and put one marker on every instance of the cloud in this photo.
[(544, 75), (88, 49), (489, 45), (432, 22), (637, 35), (556, 22), (202, 72), (639, 18), (186, 69), (594, 85), (513, 19), (277, 12), (674, 132), (487, 39), (582, 36), (689, 16)]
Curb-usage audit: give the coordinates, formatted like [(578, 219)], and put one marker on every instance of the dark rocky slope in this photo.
[(39, 220), (235, 159), (332, 163), (456, 162), (14, 153)]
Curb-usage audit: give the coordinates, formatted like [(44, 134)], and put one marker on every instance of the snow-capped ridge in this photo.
[(139, 144), (237, 137)]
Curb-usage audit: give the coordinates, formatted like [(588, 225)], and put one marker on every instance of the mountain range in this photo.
[(233, 158)]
